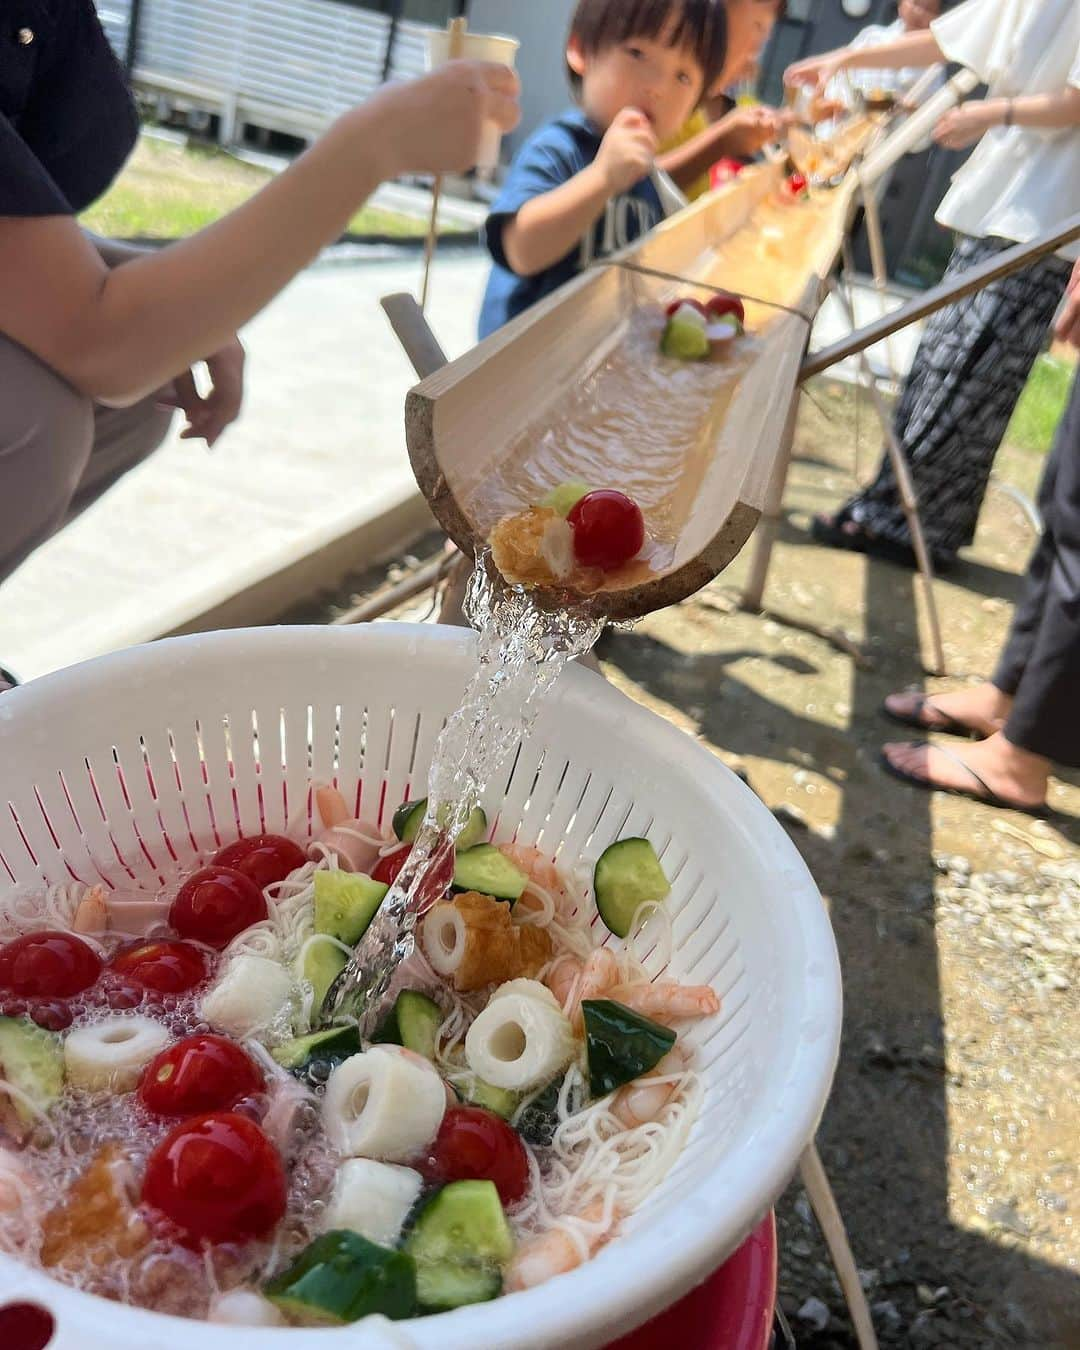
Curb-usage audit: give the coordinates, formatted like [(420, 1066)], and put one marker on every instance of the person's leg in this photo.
[(46, 435), (984, 708), (1045, 718), (1043, 656), (969, 372), (123, 437)]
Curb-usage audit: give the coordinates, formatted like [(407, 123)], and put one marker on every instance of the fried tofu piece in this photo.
[(98, 1222)]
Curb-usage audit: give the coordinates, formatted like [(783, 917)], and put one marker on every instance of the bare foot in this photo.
[(1010, 773), (982, 707)]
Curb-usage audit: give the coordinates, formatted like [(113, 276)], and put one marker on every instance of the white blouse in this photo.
[(1019, 181)]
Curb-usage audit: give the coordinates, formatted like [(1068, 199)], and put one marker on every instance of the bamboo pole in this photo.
[(769, 526), (457, 50), (816, 1183), (904, 483), (955, 288)]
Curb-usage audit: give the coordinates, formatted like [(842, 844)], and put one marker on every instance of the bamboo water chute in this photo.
[(482, 420)]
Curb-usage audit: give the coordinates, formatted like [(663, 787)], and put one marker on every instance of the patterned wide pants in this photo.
[(969, 371)]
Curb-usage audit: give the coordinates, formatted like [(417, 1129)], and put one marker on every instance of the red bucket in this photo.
[(732, 1310)]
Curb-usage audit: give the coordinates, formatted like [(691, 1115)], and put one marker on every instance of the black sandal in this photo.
[(986, 797), (948, 726), (830, 532)]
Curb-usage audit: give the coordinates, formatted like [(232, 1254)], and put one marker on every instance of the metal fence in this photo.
[(285, 65)]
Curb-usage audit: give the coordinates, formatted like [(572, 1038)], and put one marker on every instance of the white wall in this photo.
[(541, 27)]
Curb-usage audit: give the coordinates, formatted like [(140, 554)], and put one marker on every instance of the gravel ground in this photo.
[(951, 1135)]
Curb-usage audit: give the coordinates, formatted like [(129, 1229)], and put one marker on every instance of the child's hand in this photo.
[(748, 130), (434, 125), (627, 152)]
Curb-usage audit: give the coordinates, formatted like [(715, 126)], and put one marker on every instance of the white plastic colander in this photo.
[(131, 767)]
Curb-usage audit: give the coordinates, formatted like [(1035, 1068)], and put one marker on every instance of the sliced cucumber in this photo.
[(409, 817), (460, 1242), (335, 1043), (322, 963), (345, 903), (342, 1277), (501, 1101), (442, 1287), (32, 1060), (413, 1022), (484, 869), (627, 875), (565, 497), (621, 1044)]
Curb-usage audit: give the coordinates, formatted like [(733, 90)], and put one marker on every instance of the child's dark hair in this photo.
[(700, 25)]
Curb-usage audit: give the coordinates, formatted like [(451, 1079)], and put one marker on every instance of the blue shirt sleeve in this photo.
[(548, 160)]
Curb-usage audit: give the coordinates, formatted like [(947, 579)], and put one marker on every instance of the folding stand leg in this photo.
[(905, 485), (770, 517), (823, 1202)]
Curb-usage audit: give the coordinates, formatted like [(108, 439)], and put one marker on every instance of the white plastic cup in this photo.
[(477, 47)]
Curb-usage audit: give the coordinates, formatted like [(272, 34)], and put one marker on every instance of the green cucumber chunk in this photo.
[(460, 1243), (335, 1043), (484, 869), (500, 1101), (342, 1277), (32, 1060), (565, 497), (322, 963), (621, 1044), (345, 903), (627, 875), (410, 816), (413, 1022)]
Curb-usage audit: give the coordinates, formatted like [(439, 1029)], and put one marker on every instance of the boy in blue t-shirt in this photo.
[(580, 188)]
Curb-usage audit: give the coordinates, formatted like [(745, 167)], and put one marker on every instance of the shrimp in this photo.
[(555, 1252), (92, 913), (538, 867), (572, 981), (355, 843), (333, 809), (667, 1001), (641, 1101)]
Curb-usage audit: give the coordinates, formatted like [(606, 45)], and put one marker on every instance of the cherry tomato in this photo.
[(48, 965), (475, 1145), (720, 305), (796, 184), (677, 304), (724, 170), (164, 967), (609, 529), (218, 1178), (437, 882), (215, 904), (198, 1074), (263, 858)]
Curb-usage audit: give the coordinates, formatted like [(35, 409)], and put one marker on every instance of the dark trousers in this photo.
[(1040, 665)]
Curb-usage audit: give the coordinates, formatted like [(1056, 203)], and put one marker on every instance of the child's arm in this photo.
[(119, 335), (549, 226), (740, 133)]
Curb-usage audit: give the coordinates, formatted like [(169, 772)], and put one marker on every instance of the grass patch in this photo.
[(1041, 405), (169, 191)]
